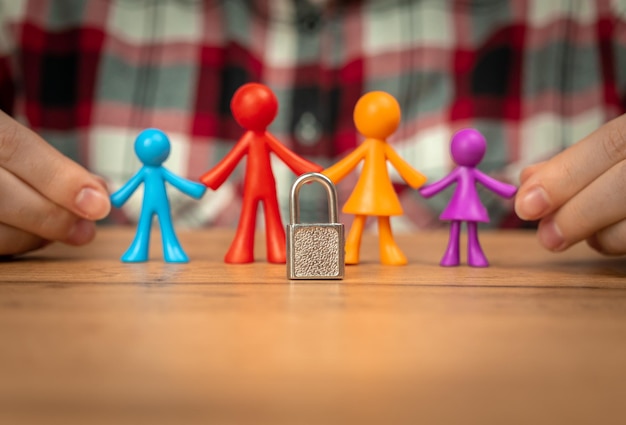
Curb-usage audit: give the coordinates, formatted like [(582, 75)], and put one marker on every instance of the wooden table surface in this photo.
[(535, 338)]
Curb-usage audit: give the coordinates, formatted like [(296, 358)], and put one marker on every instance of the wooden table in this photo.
[(535, 338)]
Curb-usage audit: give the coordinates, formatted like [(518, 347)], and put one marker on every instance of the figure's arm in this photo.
[(436, 187), (296, 163), (218, 174), (120, 197), (413, 177), (188, 187), (502, 189), (342, 168)]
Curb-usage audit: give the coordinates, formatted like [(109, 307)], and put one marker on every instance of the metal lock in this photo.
[(314, 251)]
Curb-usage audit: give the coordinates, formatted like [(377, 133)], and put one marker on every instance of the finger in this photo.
[(26, 209), (529, 171), (58, 178), (15, 241), (611, 240), (597, 206), (102, 182), (570, 171)]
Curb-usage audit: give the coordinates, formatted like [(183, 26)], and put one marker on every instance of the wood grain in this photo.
[(535, 338)]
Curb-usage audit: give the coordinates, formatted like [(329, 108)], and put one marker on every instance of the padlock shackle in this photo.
[(331, 192)]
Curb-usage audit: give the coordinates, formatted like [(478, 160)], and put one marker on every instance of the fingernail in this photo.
[(92, 204), (533, 205), (82, 232), (551, 237)]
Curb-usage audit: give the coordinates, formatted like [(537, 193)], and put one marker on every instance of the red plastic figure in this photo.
[(255, 106)]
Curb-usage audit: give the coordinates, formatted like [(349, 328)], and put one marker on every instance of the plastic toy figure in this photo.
[(152, 147), (255, 106), (376, 116), (467, 148)]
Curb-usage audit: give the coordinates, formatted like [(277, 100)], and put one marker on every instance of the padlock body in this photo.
[(315, 251)]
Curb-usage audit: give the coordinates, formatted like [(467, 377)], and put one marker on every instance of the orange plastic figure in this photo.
[(376, 116), (255, 106)]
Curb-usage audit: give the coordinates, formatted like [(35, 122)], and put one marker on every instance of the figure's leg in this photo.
[(274, 232), (451, 256), (172, 251), (242, 248), (138, 250), (390, 252), (353, 241), (475, 255)]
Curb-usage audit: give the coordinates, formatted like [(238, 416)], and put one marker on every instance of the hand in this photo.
[(44, 196), (580, 194)]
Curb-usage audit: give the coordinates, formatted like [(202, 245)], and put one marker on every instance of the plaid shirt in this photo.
[(534, 76)]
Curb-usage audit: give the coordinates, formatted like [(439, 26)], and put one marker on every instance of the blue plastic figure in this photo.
[(152, 147)]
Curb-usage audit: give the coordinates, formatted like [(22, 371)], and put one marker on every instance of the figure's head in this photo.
[(254, 106), (468, 147), (377, 115), (152, 146)]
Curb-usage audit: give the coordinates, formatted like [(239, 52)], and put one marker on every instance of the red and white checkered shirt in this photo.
[(534, 76)]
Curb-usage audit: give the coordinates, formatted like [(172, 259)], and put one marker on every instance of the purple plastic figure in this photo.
[(152, 147), (468, 147)]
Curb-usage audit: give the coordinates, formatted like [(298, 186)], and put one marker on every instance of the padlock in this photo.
[(314, 251)]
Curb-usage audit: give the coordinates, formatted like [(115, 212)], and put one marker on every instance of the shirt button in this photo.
[(308, 130), (310, 21)]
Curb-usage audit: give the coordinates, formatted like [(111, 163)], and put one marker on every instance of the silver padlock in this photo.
[(314, 251)]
